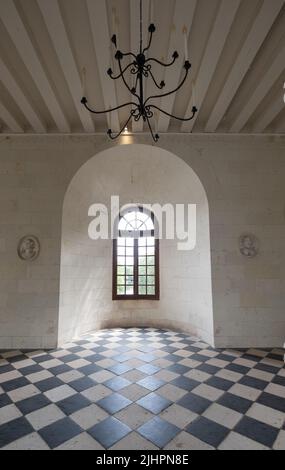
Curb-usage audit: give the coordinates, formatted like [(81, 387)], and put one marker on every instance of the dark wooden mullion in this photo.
[(156, 269), (115, 269), (136, 267)]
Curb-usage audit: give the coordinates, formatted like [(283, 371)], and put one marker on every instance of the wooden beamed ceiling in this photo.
[(54, 51)]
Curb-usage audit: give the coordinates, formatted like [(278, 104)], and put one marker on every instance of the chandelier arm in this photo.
[(126, 54), (154, 80), (149, 43), (172, 91), (194, 111), (152, 59), (123, 71), (124, 80), (115, 136), (154, 136), (84, 102)]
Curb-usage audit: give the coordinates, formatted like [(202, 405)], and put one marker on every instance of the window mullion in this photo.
[(136, 267)]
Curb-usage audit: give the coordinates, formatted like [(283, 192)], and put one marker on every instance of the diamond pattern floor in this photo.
[(144, 389)]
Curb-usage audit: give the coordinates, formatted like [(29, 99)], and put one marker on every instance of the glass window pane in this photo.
[(142, 261), (142, 280), (129, 241), (121, 290), (150, 241), (121, 251), (151, 270), (142, 290), (129, 290), (150, 250), (130, 280), (130, 251), (121, 280), (150, 290), (142, 251), (129, 270), (121, 261), (142, 241), (121, 270), (129, 261), (150, 260), (149, 224), (151, 280), (121, 241), (142, 270)]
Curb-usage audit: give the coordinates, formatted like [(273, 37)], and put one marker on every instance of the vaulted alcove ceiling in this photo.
[(51, 49)]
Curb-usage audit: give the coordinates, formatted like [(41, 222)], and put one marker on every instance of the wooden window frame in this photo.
[(136, 295)]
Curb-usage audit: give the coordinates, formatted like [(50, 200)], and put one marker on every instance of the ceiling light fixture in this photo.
[(140, 69)]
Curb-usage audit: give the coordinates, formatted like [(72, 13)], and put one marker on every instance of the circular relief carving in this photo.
[(29, 248), (249, 245)]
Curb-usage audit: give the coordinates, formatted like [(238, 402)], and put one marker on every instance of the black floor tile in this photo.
[(173, 358), (119, 369), (253, 383), (5, 400), (212, 370), (33, 404), (154, 403), (237, 368), (267, 368), (15, 359), (62, 369), (219, 383), (257, 431), (117, 383), (178, 369), (5, 369), (185, 383), (82, 384), (149, 369), (239, 404), (109, 431), (90, 369), (43, 358), (49, 384), (114, 403), (279, 380), (31, 370), (199, 358), (208, 431), (72, 404), (158, 431), (60, 432), (14, 384), (225, 357), (194, 403), (14, 430), (70, 358), (272, 401), (151, 383)]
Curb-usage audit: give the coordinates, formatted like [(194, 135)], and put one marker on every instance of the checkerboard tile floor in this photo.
[(142, 389)]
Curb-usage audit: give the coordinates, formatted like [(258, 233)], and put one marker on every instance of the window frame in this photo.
[(136, 295)]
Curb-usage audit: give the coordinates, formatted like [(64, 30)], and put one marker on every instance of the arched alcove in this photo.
[(145, 175)]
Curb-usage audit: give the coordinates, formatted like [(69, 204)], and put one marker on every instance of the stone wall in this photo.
[(139, 174), (244, 181)]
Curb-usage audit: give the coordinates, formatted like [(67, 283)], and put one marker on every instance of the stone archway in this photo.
[(137, 174)]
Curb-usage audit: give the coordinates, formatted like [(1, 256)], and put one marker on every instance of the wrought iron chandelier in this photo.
[(140, 68)]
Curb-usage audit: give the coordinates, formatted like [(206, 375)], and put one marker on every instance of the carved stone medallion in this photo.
[(29, 248), (249, 245)]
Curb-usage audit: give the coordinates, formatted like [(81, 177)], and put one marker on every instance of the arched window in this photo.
[(136, 256)]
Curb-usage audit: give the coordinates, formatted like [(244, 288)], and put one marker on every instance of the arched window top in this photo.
[(136, 220)]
